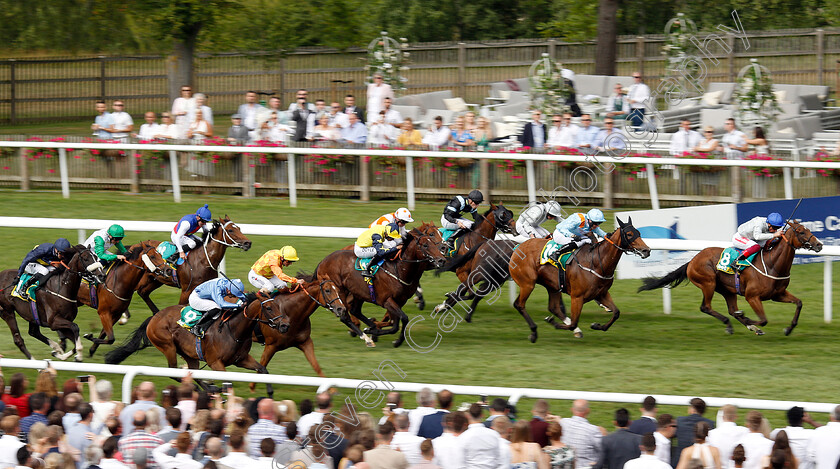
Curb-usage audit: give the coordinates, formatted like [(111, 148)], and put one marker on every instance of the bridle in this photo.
[(624, 240), (227, 239), (271, 321), (427, 257), (805, 244), (328, 303)]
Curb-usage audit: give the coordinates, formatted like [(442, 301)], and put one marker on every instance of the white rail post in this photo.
[(827, 286), (176, 176), (82, 236), (532, 180), (292, 182), (654, 193), (788, 183), (409, 181), (65, 178), (666, 300), (512, 291)]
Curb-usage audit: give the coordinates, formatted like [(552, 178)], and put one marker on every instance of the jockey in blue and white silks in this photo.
[(182, 234), (208, 299), (572, 232), (754, 234)]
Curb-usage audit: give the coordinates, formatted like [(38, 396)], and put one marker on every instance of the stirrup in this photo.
[(367, 274)]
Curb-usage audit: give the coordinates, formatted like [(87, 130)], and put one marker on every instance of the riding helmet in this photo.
[(775, 220), (554, 209), (596, 216), (476, 196), (116, 231), (204, 214), (402, 214), (61, 244), (289, 253), (237, 287)]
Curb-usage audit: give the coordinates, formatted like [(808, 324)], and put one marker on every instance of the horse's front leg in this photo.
[(787, 297), (147, 285), (755, 302), (399, 324), (609, 306), (347, 320)]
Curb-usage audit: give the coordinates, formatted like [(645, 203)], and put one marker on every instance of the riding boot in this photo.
[(555, 256), (205, 321), (450, 243), (368, 273), (36, 279)]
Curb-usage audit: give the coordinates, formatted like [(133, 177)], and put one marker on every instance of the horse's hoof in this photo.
[(533, 337), (124, 319), (53, 353), (374, 338), (468, 318), (758, 331), (738, 314), (597, 326), (88, 336), (421, 305), (78, 360), (352, 334), (578, 335), (729, 330), (397, 343), (788, 330)]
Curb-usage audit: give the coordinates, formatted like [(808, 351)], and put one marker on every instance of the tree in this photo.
[(605, 49)]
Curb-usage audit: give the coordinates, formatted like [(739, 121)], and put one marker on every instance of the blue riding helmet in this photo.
[(775, 220), (236, 283), (61, 244), (595, 216), (204, 214)]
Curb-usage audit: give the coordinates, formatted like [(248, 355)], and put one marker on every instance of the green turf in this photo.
[(686, 353)]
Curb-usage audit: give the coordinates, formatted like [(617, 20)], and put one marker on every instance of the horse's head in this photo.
[(420, 246), (149, 257), (225, 231), (503, 219), (84, 263), (800, 237), (330, 297), (630, 240), (272, 313)]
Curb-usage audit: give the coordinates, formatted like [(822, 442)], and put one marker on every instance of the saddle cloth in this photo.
[(169, 252), (189, 317), (730, 254), (29, 294), (446, 234), (362, 265), (549, 248)]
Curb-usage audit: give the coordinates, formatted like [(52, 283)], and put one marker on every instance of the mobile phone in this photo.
[(83, 379), (483, 397), (226, 387), (392, 406)]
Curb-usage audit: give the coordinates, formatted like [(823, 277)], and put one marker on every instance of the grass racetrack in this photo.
[(685, 353)]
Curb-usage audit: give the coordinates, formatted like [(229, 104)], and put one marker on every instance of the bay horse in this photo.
[(766, 279), (115, 293), (394, 284), (202, 263), (589, 275), (55, 302)]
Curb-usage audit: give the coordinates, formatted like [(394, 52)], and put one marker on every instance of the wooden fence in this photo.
[(54, 89)]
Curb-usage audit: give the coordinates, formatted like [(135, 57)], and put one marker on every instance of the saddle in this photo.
[(546, 258), (728, 256), (445, 235), (169, 252)]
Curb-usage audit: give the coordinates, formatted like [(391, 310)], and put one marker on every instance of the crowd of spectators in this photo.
[(181, 428)]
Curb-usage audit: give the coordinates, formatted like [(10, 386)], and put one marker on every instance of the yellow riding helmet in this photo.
[(289, 253)]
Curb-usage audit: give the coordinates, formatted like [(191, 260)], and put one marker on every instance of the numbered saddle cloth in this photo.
[(362, 265), (545, 256), (169, 252), (29, 294), (189, 317), (446, 234), (728, 256)]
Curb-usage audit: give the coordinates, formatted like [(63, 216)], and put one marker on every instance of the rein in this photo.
[(621, 249), (225, 236)]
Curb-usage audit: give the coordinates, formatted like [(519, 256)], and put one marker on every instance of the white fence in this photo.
[(513, 394), (409, 166), (82, 225)]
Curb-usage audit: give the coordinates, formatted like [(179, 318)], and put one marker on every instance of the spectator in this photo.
[(618, 106), (173, 417), (45, 383), (250, 109), (392, 116), (237, 133), (707, 144), (9, 442), (534, 133), (101, 392), (333, 437), (383, 456), (781, 447), (647, 422), (337, 118), (380, 132), (80, 435), (314, 117), (479, 444), (555, 131), (314, 418), (587, 135), (582, 436), (55, 417), (37, 438), (558, 454), (23, 459), (182, 460), (40, 405), (355, 132), (409, 136), (461, 137), (324, 132), (301, 93), (483, 134), (93, 455), (123, 124), (523, 449), (201, 106), (264, 427), (798, 437), (438, 134), (609, 139), (404, 440), (759, 141), (501, 425), (199, 129), (52, 439), (141, 458), (647, 460), (700, 451), (734, 144), (756, 446), (685, 139), (666, 427), (286, 412), (267, 450), (377, 93), (284, 451), (686, 433), (237, 458), (448, 454), (300, 110), (427, 451), (350, 108), (214, 450), (738, 456), (498, 408), (167, 130), (183, 108), (425, 406), (138, 438), (727, 435), (153, 420), (637, 95), (273, 131), (17, 396), (621, 445), (102, 122), (72, 402), (149, 129), (431, 426), (112, 427), (564, 134), (274, 105)]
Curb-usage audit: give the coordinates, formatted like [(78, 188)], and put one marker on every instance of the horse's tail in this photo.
[(454, 262), (670, 281), (138, 340)]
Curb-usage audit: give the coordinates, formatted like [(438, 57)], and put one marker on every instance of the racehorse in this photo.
[(766, 279), (394, 284), (202, 263), (55, 302), (589, 276), (121, 279)]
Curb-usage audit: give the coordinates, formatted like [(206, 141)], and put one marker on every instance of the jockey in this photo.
[(401, 217), (531, 218), (452, 219), (100, 241), (371, 244), (182, 234), (572, 232), (267, 273), (40, 263), (208, 299), (753, 235)]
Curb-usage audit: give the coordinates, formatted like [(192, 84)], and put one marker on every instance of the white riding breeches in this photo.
[(523, 228), (364, 253), (266, 283), (189, 241), (35, 268), (742, 243), (200, 304), (445, 224), (389, 243), (563, 240)]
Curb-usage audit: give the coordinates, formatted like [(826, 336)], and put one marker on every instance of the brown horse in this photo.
[(56, 303), (394, 284), (767, 279), (202, 263), (121, 279), (589, 276)]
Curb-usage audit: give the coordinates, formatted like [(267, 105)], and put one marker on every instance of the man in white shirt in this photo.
[(150, 128), (798, 437), (734, 142), (406, 442), (337, 118), (438, 134), (647, 460), (587, 135), (448, 454), (182, 460), (267, 450), (167, 129), (567, 137), (685, 139), (324, 402), (123, 124), (501, 425), (666, 427), (425, 406), (251, 108), (237, 458), (554, 131), (756, 446), (392, 116), (637, 95), (727, 434), (145, 400), (824, 448), (109, 449), (479, 444), (9, 442)]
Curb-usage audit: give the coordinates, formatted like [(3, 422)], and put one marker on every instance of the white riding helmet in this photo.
[(553, 208), (402, 214), (596, 216)]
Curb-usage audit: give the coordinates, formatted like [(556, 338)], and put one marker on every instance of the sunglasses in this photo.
[(586, 120), (557, 120)]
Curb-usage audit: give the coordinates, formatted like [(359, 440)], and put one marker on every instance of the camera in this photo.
[(83, 379), (226, 387)]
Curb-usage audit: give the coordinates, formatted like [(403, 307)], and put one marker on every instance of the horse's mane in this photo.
[(73, 250), (306, 276), (133, 251)]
